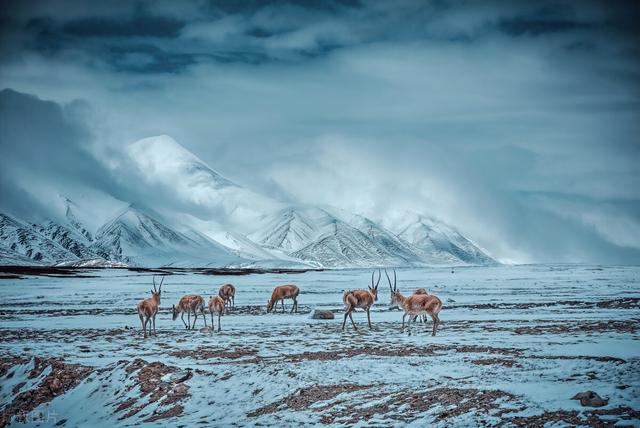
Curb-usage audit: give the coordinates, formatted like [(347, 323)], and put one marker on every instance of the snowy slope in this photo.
[(438, 243), (23, 241), (136, 237), (67, 238), (315, 235), (393, 246), (293, 228), (11, 258), (73, 220), (164, 163)]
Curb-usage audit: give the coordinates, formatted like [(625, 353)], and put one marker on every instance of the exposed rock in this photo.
[(590, 399), (322, 315)]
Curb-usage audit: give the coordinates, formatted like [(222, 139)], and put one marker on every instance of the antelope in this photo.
[(282, 292), (190, 303), (362, 299), (421, 291), (228, 294), (148, 308), (414, 305), (216, 305)]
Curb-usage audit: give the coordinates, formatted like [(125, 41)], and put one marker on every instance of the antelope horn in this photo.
[(394, 280), (389, 280), (161, 281), (154, 283), (379, 278)]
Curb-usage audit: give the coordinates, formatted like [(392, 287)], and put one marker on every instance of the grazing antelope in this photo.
[(148, 308), (282, 292), (228, 294), (190, 303), (362, 299), (216, 305), (421, 291), (414, 305)]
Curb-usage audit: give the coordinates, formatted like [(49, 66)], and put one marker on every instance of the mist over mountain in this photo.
[(158, 204)]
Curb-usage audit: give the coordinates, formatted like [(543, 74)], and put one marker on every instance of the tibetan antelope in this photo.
[(216, 306), (190, 303), (362, 299), (282, 292), (414, 305), (421, 291), (148, 308), (228, 294)]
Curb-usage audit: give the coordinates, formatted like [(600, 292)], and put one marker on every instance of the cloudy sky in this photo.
[(517, 122)]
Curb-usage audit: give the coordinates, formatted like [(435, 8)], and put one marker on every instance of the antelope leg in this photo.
[(213, 326), (182, 318), (351, 318)]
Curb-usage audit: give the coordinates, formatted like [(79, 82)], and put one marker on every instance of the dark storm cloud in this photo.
[(42, 143), (515, 121), (162, 38), (137, 26)]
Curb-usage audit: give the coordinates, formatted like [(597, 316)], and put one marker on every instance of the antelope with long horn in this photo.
[(190, 303), (148, 308), (362, 299), (414, 305), (282, 292)]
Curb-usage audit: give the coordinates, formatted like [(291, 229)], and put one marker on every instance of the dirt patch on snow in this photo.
[(207, 353), (596, 418), (58, 381), (626, 326), (349, 404), (495, 362), (156, 383), (304, 398), (406, 351), (622, 303)]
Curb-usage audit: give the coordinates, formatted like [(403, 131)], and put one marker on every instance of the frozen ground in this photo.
[(515, 345)]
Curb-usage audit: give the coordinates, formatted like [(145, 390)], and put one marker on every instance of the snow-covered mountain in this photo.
[(335, 238), (437, 242), (136, 237), (164, 164), (19, 240), (220, 224), (131, 238)]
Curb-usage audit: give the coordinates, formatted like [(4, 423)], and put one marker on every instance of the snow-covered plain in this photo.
[(516, 343)]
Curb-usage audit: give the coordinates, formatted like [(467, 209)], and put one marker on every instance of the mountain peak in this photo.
[(162, 156)]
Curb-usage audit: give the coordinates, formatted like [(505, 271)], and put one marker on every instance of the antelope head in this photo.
[(174, 312), (373, 289), (270, 304), (156, 292), (395, 293)]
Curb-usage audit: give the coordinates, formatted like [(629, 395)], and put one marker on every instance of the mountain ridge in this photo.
[(256, 229)]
